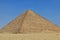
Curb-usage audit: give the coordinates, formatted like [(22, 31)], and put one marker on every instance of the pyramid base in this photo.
[(33, 36)]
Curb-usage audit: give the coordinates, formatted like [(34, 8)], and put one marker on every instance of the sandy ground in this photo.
[(33, 36)]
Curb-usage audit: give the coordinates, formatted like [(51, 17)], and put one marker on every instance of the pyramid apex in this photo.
[(29, 11)]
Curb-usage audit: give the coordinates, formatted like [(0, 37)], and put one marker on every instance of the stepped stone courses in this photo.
[(30, 22)]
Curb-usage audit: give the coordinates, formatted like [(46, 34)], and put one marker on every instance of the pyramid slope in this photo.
[(30, 22), (35, 23), (14, 26)]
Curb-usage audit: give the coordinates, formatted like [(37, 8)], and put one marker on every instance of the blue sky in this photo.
[(10, 9)]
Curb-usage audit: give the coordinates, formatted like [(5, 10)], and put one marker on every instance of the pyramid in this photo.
[(30, 22)]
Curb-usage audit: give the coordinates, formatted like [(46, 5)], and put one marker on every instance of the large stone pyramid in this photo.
[(30, 22)]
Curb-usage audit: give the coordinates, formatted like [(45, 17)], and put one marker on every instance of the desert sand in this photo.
[(33, 36)]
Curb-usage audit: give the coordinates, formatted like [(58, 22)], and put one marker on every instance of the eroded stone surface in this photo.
[(30, 22)]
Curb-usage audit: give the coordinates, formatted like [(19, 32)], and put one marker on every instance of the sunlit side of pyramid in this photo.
[(30, 22)]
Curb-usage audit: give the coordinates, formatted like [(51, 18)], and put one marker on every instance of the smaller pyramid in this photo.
[(30, 22)]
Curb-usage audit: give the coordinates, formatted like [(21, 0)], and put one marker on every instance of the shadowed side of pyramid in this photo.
[(30, 22)]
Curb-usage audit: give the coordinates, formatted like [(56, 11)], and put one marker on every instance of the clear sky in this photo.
[(10, 9)]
